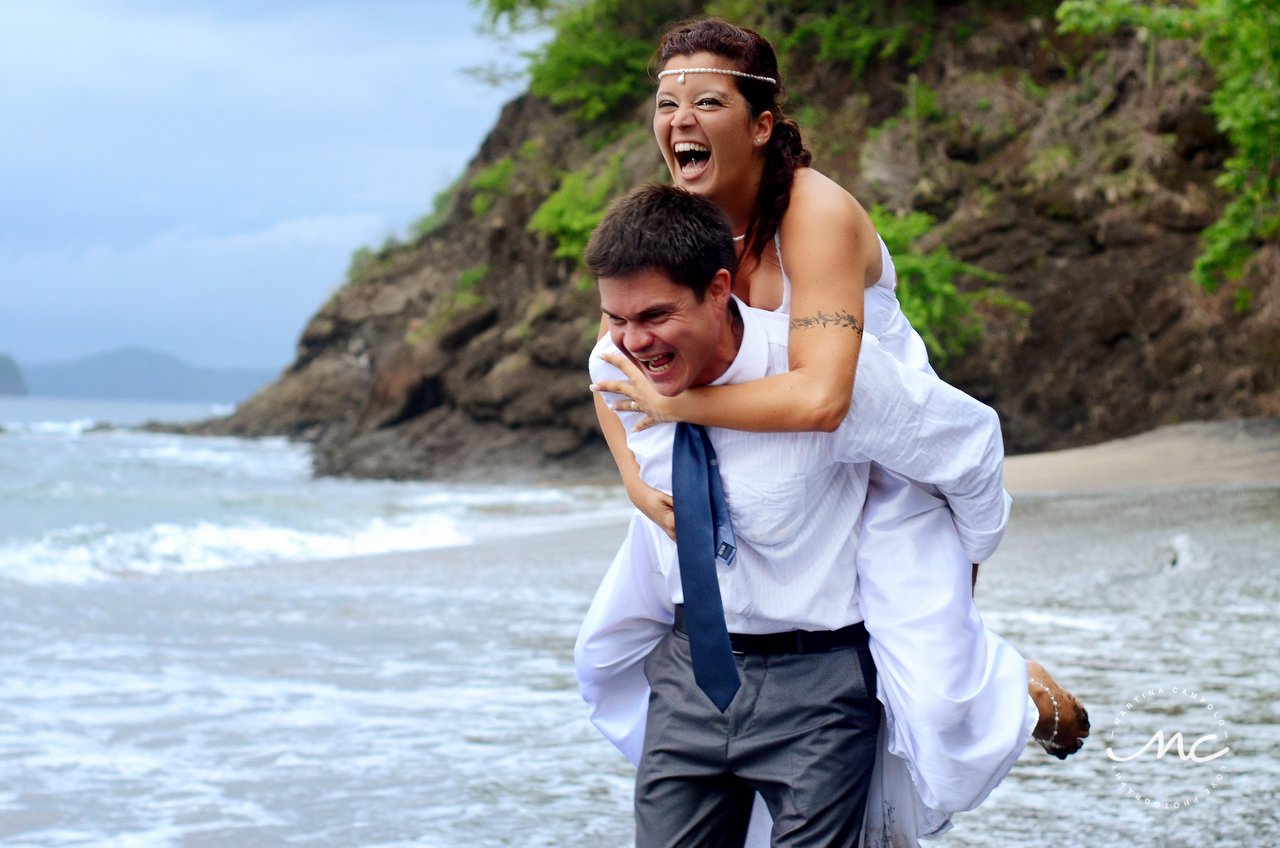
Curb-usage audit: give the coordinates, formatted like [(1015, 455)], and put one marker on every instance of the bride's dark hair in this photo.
[(785, 152)]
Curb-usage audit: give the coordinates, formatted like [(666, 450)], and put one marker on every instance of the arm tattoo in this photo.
[(828, 319)]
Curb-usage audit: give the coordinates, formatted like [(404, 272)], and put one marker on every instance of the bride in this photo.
[(959, 701)]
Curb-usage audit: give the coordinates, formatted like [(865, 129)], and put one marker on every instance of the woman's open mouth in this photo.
[(657, 364), (692, 158)]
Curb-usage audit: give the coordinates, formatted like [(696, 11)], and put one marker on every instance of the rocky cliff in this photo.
[(1078, 170)]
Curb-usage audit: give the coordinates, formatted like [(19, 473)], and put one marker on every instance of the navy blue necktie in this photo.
[(704, 534)]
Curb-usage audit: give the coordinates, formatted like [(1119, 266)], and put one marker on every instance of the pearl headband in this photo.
[(732, 73)]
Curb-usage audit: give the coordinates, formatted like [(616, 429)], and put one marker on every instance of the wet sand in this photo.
[(1198, 454)]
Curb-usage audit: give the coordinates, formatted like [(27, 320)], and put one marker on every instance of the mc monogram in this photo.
[(1163, 747), (1141, 769)]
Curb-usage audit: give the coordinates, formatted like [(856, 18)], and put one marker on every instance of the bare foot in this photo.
[(1064, 723)]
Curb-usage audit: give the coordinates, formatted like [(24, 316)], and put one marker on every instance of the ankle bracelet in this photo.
[(1053, 737)]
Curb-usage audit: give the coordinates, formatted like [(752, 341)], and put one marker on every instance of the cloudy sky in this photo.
[(192, 175)]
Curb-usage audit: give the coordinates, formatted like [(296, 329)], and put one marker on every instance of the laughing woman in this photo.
[(956, 695)]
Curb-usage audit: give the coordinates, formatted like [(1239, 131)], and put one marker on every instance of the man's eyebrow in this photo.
[(652, 312), (657, 311)]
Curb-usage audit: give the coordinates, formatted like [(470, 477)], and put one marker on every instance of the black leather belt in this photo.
[(791, 642)]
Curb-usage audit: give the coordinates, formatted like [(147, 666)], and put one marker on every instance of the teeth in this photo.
[(691, 147), (657, 369)]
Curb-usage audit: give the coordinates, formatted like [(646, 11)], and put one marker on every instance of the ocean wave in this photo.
[(88, 553), (500, 497), (71, 428), (95, 552), (266, 458), (82, 507)]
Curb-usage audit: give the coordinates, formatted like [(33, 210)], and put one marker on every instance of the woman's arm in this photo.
[(656, 505), (830, 249)]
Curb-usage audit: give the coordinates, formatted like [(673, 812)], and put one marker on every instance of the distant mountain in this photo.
[(132, 373), (10, 377)]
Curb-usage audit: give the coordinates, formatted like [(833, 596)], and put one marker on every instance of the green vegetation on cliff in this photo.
[(940, 313), (441, 208), (572, 212), (491, 183), (1241, 40)]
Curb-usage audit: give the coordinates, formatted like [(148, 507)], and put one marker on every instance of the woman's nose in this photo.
[(683, 117)]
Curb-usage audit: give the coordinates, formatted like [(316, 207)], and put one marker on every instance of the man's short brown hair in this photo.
[(662, 228)]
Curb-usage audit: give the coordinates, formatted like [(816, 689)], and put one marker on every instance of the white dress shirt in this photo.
[(791, 495)]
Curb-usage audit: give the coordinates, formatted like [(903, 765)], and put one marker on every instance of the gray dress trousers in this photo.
[(801, 731)]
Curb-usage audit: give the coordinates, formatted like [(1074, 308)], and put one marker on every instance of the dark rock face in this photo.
[(1091, 211), (1079, 170), (1119, 342)]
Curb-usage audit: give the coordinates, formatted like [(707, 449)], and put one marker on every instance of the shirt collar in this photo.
[(752, 361)]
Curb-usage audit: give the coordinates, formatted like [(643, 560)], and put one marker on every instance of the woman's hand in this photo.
[(642, 397), (656, 505)]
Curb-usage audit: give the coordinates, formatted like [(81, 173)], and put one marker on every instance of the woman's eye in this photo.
[(666, 104), (708, 101)]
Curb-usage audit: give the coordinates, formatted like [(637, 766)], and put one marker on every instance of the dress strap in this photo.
[(785, 307), (888, 274)]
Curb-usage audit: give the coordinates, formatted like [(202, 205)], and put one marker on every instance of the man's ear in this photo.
[(720, 287)]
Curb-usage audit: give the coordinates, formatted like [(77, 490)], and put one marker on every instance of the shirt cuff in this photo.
[(979, 545)]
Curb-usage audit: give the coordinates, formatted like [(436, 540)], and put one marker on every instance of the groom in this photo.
[(761, 679)]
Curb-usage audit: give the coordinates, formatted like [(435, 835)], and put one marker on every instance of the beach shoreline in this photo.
[(1190, 455), (1180, 455)]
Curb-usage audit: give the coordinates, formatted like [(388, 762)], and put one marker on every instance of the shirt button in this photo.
[(730, 619)]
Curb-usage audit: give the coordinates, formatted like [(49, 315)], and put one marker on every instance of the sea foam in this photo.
[(95, 552), (83, 505)]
